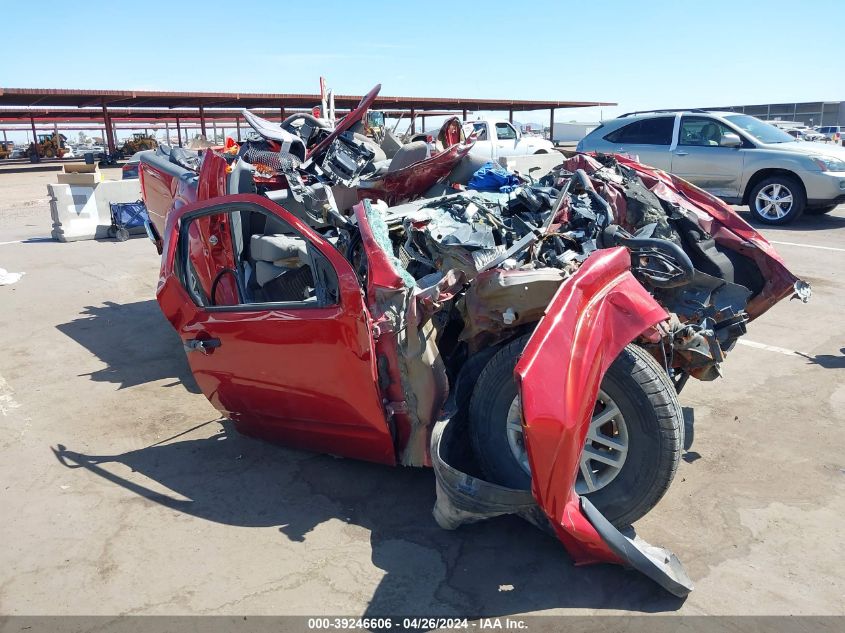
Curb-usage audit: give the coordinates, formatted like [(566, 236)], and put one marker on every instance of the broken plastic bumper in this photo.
[(462, 498)]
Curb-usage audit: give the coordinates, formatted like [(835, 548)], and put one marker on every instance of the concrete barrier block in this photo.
[(82, 212), (73, 211)]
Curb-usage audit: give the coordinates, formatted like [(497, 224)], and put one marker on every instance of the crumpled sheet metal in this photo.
[(405, 338), (415, 179), (495, 292), (715, 217), (594, 314)]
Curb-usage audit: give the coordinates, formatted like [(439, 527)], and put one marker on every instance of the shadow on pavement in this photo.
[(806, 222), (493, 568), (828, 361), (136, 343)]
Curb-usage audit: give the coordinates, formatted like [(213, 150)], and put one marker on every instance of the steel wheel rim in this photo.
[(605, 448), (774, 201)]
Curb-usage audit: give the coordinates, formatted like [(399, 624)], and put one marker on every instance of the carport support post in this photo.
[(283, 114), (202, 121), (510, 116), (214, 131), (413, 121), (34, 139), (238, 127), (465, 115), (178, 132), (422, 124), (167, 132), (109, 130), (551, 124)]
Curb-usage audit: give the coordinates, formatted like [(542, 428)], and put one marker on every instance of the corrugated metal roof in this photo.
[(57, 97)]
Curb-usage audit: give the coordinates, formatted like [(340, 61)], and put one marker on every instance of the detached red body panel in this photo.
[(593, 316)]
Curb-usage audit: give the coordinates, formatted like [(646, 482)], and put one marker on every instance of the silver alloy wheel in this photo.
[(773, 201), (605, 448)]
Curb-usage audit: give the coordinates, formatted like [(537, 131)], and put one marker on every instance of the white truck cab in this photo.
[(497, 137)]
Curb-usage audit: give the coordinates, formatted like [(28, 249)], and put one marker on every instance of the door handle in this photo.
[(681, 153), (205, 345)]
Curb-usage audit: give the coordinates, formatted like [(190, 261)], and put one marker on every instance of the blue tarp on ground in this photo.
[(492, 177)]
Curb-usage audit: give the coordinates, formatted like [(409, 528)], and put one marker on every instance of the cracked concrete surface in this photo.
[(160, 508)]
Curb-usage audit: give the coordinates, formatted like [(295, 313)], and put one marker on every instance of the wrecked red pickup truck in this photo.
[(528, 346)]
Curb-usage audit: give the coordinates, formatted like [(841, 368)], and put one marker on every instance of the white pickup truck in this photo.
[(497, 137)]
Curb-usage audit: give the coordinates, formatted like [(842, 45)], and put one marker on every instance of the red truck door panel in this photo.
[(300, 373)]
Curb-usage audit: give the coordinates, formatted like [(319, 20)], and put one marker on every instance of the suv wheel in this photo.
[(777, 200)]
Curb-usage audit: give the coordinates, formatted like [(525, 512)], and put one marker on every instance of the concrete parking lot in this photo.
[(123, 492)]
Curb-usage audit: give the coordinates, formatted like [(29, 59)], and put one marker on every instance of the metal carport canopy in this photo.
[(44, 98), (53, 97)]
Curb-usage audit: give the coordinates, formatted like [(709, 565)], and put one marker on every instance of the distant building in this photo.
[(809, 113)]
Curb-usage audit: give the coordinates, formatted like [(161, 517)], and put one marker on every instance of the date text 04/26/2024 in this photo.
[(411, 623)]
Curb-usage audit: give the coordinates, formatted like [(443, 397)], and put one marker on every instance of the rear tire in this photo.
[(820, 210), (768, 200), (648, 405)]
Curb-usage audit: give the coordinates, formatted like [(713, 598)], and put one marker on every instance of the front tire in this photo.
[(633, 444), (777, 200)]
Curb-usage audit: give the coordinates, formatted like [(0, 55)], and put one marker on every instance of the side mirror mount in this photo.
[(729, 139)]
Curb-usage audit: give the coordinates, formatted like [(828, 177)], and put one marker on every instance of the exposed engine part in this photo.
[(497, 239)]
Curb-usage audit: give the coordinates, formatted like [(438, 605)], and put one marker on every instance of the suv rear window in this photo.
[(653, 131)]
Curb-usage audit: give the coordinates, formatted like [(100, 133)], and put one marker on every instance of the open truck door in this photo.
[(274, 326)]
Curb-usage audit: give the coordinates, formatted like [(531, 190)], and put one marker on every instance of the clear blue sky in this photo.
[(639, 54)]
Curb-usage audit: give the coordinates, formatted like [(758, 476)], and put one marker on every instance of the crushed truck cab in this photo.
[(528, 346)]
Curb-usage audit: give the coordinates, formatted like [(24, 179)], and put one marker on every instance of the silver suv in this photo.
[(736, 157)]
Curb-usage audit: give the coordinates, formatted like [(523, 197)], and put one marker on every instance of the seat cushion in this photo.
[(266, 272), (282, 249), (408, 155)]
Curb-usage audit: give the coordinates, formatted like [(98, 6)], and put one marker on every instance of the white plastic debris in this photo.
[(7, 278)]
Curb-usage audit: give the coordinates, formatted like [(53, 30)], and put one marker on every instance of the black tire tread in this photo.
[(652, 380)]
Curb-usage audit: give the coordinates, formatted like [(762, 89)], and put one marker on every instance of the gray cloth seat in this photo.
[(265, 272), (408, 155), (274, 255), (279, 248), (390, 145)]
